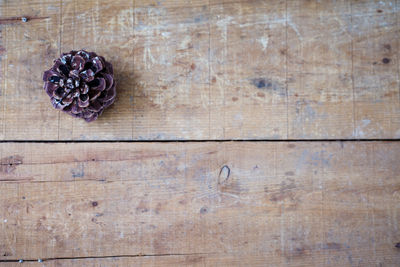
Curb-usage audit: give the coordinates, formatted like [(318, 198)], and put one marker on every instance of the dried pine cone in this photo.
[(81, 84)]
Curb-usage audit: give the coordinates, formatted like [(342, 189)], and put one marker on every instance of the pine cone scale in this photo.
[(83, 101), (50, 88)]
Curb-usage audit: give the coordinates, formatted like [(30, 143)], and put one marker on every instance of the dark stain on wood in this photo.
[(203, 210), (158, 208), (332, 245), (269, 85), (193, 259), (285, 192), (78, 172), (261, 83), (260, 94), (142, 207), (9, 164), (299, 251), (386, 60)]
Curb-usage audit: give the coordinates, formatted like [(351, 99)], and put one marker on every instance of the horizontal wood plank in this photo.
[(160, 260), (216, 203), (200, 70)]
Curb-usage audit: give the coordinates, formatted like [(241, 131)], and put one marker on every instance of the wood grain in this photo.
[(107, 28), (198, 70), (248, 70), (214, 203), (204, 70), (27, 48), (165, 260)]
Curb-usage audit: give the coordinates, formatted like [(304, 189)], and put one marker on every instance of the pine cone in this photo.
[(81, 84)]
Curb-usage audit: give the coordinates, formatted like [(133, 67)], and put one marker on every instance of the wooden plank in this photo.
[(299, 204), (171, 62), (107, 28), (216, 70), (28, 47), (2, 77), (166, 260), (248, 70), (376, 73), (319, 70)]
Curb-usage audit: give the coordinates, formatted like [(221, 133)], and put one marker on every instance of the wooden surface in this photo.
[(296, 204), (297, 75), (200, 70)]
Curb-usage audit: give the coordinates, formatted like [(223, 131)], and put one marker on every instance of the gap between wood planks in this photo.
[(107, 256), (205, 140)]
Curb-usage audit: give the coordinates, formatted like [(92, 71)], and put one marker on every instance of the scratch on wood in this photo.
[(13, 20), (264, 42)]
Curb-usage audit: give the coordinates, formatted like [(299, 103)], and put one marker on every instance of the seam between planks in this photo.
[(286, 69), (209, 69), (205, 140), (132, 103), (398, 46), (4, 33)]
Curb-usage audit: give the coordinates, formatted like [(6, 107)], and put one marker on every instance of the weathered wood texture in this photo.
[(298, 204), (209, 69)]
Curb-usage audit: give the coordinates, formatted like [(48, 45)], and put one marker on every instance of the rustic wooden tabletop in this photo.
[(258, 133)]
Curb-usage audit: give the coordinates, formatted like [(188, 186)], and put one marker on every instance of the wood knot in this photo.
[(224, 174)]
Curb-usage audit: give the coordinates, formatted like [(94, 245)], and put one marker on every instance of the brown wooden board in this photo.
[(204, 71), (201, 70), (213, 203)]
